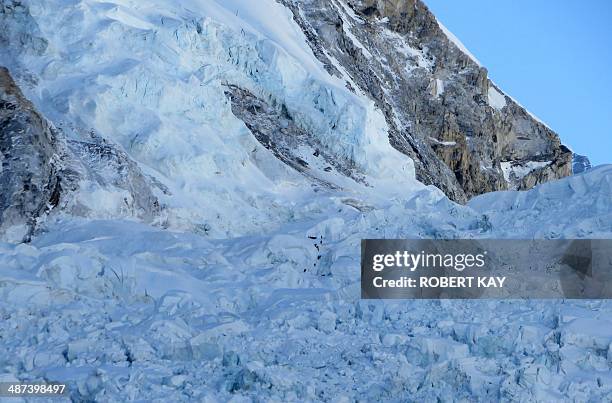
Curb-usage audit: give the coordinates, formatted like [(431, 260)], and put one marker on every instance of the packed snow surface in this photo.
[(439, 87), (249, 288), (496, 99)]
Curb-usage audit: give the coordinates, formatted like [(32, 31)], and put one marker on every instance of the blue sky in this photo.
[(553, 56)]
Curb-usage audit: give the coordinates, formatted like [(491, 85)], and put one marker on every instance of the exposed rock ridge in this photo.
[(30, 158), (278, 132), (40, 169), (442, 109)]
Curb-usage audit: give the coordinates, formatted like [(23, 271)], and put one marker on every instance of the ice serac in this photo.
[(30, 158), (111, 183), (441, 107)]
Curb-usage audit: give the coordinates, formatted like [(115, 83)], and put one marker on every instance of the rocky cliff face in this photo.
[(40, 169), (465, 135), (30, 158)]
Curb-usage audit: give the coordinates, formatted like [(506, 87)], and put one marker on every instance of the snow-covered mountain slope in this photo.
[(161, 97), (223, 180)]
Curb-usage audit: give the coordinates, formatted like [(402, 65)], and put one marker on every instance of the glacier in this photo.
[(244, 285), (118, 308)]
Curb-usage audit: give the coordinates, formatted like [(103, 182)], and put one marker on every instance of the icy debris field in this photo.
[(121, 310), (247, 287)]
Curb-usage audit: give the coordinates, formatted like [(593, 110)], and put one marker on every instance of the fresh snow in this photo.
[(439, 87), (497, 100), (345, 11), (418, 57), (443, 143), (517, 170)]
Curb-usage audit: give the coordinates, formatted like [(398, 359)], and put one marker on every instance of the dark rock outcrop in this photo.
[(276, 130), (41, 170), (30, 161)]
